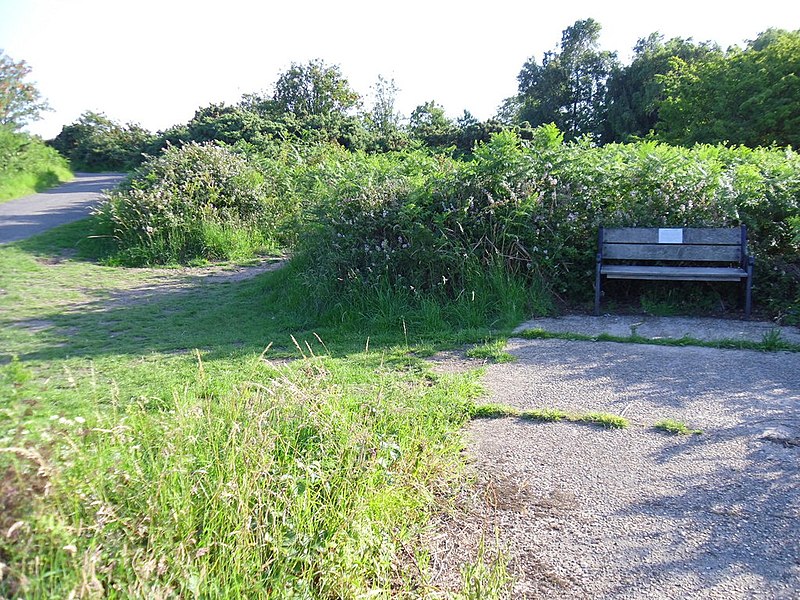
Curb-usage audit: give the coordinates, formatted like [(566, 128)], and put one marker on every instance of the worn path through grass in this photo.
[(198, 432)]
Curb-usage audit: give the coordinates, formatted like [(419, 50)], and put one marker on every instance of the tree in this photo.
[(471, 131), (20, 101), (635, 91), (746, 96), (316, 103), (569, 86), (383, 120), (96, 143), (314, 89), (429, 124), (245, 122)]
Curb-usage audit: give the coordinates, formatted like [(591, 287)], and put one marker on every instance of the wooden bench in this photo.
[(677, 254)]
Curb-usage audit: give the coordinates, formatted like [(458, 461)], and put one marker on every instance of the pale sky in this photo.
[(155, 62)]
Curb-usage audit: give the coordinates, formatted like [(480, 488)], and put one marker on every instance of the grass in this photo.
[(676, 427), (493, 350), (213, 439), (771, 341), (18, 185), (549, 415), (28, 165)]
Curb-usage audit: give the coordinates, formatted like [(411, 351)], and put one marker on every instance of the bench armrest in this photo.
[(599, 258)]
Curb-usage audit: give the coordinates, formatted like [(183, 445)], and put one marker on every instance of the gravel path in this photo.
[(69, 202), (583, 512)]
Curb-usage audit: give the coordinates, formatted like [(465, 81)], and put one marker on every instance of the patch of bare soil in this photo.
[(454, 361), (63, 255), (177, 280)]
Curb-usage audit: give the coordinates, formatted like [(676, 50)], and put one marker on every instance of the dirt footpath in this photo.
[(584, 512)]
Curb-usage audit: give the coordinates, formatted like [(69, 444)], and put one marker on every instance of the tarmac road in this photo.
[(25, 217)]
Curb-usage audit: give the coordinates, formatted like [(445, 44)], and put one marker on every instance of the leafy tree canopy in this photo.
[(20, 101), (383, 120), (635, 91), (96, 143), (747, 96), (429, 124), (316, 89), (568, 88)]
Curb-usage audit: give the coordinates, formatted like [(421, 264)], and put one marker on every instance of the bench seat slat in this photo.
[(691, 235), (673, 273), (678, 252)]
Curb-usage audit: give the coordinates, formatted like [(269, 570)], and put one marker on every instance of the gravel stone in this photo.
[(585, 512)]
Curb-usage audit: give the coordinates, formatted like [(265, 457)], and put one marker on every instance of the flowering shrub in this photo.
[(196, 201), (536, 209)]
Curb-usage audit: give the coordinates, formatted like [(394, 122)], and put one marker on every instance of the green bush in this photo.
[(535, 209), (27, 165), (199, 201), (96, 143)]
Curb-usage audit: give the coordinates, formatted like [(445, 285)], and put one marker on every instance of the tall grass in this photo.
[(306, 481)]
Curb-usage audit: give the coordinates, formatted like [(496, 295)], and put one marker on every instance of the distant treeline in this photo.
[(677, 91)]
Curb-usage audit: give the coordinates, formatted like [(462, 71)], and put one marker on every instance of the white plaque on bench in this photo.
[(670, 236)]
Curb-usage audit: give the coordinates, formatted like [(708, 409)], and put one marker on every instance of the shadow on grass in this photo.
[(223, 319), (82, 239)]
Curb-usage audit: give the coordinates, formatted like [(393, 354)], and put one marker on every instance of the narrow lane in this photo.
[(24, 217)]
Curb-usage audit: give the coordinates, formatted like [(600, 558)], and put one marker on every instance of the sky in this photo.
[(155, 62)]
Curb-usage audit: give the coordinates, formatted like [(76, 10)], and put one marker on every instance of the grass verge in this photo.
[(549, 415), (18, 185), (28, 165), (771, 341), (212, 439), (493, 350)]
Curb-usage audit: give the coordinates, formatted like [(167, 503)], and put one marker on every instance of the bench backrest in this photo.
[(674, 244)]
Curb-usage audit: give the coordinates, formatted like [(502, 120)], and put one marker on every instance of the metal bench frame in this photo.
[(663, 254)]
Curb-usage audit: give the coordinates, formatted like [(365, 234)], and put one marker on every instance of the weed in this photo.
[(493, 350), (676, 427), (548, 415), (485, 578), (772, 340)]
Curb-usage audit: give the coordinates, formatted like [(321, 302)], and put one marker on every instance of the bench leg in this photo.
[(597, 284), (748, 295)]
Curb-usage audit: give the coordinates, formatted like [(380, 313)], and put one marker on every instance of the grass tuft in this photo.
[(493, 350), (494, 411), (676, 427), (606, 420), (548, 415), (487, 578), (545, 415)]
